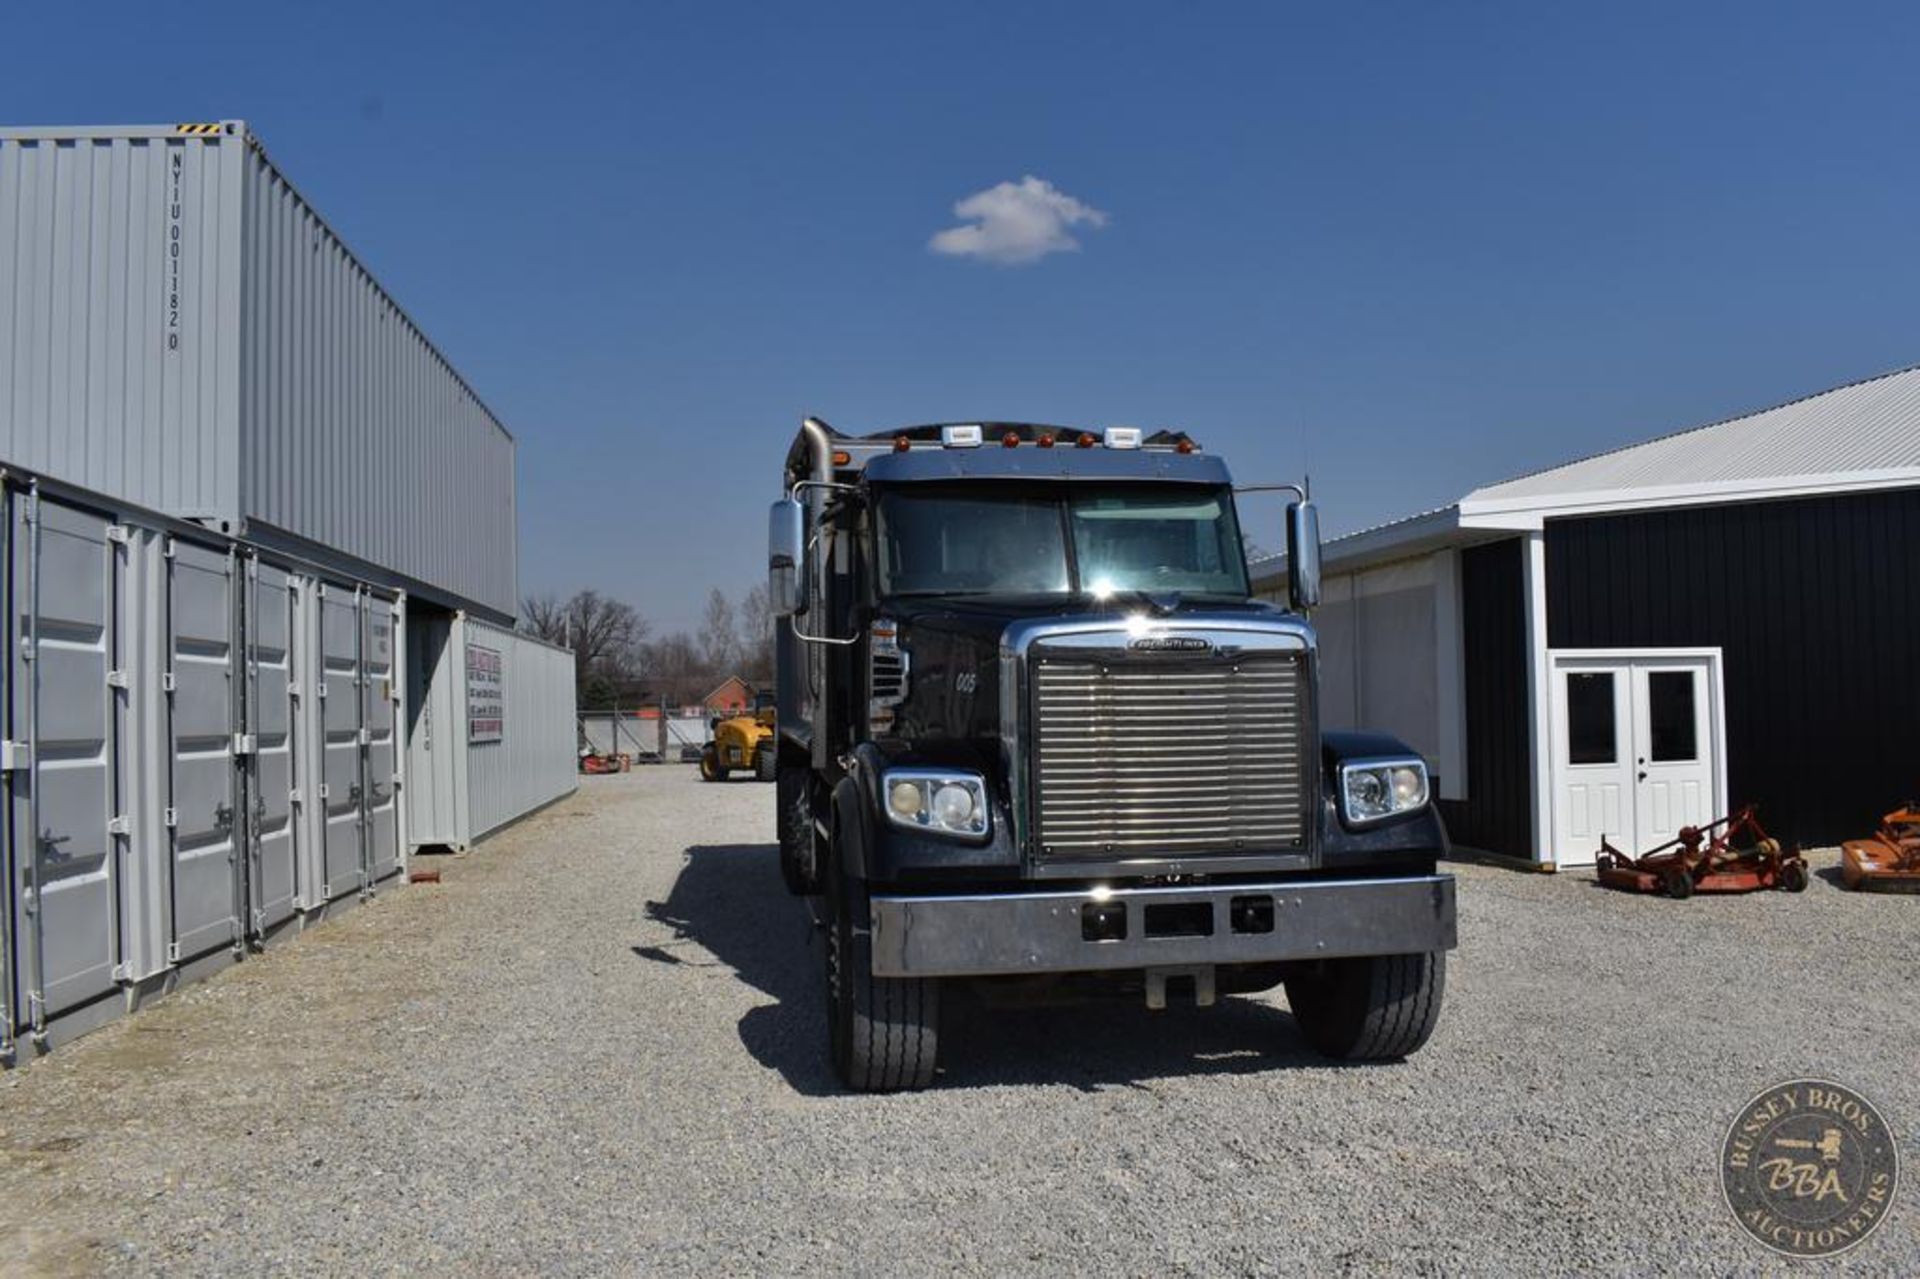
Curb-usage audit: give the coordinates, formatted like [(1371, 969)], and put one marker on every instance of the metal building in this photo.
[(259, 548), (1632, 642)]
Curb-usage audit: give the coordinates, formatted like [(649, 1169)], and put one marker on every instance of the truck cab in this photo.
[(1033, 730)]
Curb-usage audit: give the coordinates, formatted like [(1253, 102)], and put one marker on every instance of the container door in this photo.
[(340, 701), (64, 889), (382, 758), (270, 781), (8, 877), (205, 802)]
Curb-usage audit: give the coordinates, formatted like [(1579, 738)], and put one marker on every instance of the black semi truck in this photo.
[(1034, 731)]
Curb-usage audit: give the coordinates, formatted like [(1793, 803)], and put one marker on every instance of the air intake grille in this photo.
[(1138, 759)]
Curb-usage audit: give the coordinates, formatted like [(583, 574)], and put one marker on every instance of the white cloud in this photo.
[(1016, 223)]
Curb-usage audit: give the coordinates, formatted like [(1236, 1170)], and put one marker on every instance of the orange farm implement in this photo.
[(1705, 859), (1889, 860)]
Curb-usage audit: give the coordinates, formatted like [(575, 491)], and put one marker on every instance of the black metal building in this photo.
[(1640, 640)]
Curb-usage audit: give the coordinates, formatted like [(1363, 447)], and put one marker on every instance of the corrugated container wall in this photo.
[(532, 759), (180, 329)]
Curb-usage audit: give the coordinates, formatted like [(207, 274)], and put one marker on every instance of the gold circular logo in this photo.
[(1809, 1168)]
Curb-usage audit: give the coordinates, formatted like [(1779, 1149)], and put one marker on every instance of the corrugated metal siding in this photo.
[(1867, 426), (1495, 815), (286, 388), (534, 762), (358, 435), (1812, 603), (119, 300)]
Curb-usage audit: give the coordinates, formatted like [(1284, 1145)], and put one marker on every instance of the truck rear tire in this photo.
[(710, 770), (1373, 1008), (883, 1032)]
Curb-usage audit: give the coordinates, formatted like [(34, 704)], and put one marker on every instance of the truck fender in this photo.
[(852, 827), (1421, 832)]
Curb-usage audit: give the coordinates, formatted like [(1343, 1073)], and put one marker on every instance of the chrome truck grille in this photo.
[(1137, 759)]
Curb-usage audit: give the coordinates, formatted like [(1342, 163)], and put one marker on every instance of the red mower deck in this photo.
[(1703, 859)]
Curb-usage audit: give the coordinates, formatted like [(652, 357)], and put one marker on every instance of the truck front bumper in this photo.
[(1102, 929)]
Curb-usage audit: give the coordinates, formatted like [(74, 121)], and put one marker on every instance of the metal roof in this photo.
[(1863, 429), (1864, 435)]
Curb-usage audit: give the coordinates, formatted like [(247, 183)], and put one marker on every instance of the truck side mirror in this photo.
[(1303, 554), (787, 558)]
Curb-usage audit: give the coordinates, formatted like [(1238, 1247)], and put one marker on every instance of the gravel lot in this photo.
[(594, 1047)]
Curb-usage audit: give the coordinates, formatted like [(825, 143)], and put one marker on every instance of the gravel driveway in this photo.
[(595, 1047)]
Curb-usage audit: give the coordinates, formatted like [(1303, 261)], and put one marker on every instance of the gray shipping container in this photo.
[(494, 736), (180, 330), (201, 750)]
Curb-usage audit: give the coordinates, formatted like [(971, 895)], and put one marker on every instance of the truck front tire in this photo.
[(764, 769), (1373, 1008), (883, 1032)]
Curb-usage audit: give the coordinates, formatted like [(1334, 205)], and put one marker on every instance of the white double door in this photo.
[(1637, 748)]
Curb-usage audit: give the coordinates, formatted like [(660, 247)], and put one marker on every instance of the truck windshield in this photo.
[(949, 541)]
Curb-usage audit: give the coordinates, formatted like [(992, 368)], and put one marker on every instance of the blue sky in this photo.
[(1410, 248)]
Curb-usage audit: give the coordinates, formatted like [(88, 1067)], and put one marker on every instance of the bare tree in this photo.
[(756, 637), (604, 634), (544, 617), (718, 643), (675, 671)]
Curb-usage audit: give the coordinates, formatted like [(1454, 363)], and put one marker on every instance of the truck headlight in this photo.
[(940, 803), (1372, 789)]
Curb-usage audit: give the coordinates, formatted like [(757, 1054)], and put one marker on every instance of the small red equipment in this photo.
[(1888, 861), (1703, 859)]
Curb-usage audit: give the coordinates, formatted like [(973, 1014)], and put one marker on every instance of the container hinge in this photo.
[(121, 825), (167, 682), (293, 796), (326, 791), (123, 971), (118, 679), (366, 737), (320, 690), (172, 819), (16, 757), (173, 952), (245, 744), (168, 550), (294, 689), (119, 534)]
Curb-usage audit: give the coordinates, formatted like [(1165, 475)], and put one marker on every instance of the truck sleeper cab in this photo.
[(1032, 729)]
